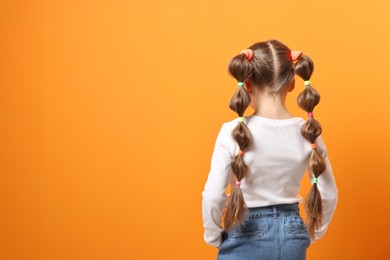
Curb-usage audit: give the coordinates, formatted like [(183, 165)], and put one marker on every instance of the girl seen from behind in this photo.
[(264, 157)]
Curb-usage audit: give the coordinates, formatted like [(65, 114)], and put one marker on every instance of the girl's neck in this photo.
[(271, 106)]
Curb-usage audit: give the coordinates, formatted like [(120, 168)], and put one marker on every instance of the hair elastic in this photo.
[(240, 84), (238, 183), (248, 53), (310, 114), (313, 146), (295, 54), (306, 82), (241, 153), (315, 180), (241, 119)]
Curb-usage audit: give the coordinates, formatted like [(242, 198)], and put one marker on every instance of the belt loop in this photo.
[(275, 211)]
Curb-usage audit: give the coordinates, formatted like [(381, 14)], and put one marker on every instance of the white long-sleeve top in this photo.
[(277, 162)]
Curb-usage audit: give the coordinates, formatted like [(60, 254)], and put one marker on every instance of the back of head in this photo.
[(271, 66)]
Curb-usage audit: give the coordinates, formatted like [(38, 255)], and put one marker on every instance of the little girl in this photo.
[(264, 157)]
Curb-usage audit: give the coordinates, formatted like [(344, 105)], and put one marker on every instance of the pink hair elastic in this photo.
[(248, 53), (310, 114), (241, 153), (295, 55), (313, 146), (238, 183)]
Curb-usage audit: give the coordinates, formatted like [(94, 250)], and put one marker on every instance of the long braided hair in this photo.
[(270, 65), (310, 130)]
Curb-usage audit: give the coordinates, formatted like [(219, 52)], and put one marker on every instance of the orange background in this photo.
[(109, 112)]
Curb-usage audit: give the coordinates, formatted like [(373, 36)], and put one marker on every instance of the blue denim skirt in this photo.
[(274, 232)]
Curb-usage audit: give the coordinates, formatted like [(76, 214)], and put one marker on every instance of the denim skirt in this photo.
[(274, 232)]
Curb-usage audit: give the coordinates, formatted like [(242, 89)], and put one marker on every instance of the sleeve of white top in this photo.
[(213, 196), (328, 190)]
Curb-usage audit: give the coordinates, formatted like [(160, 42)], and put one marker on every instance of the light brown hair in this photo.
[(272, 67)]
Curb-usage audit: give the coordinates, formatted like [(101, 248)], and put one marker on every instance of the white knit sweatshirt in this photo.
[(277, 162)]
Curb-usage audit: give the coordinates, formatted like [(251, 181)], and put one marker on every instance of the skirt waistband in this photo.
[(274, 210)]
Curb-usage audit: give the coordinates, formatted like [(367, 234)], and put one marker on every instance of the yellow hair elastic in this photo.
[(241, 119), (306, 82)]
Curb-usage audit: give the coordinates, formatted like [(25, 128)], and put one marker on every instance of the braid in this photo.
[(310, 130), (236, 208)]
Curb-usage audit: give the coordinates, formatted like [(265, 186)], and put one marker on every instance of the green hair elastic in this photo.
[(240, 84), (315, 180), (241, 119), (306, 82)]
